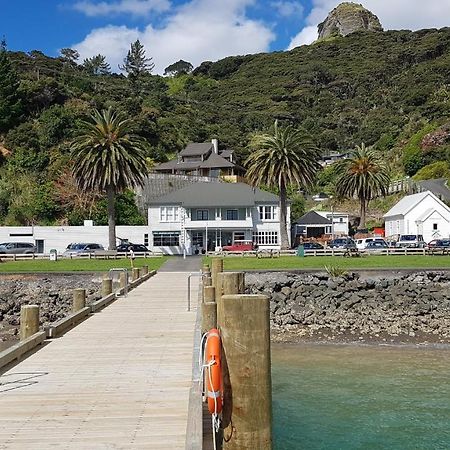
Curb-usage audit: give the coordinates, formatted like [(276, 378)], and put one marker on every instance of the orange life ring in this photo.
[(213, 372)]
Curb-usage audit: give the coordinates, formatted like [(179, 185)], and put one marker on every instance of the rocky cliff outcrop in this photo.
[(346, 19)]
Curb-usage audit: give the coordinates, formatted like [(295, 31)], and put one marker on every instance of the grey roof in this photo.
[(216, 161), (174, 164), (217, 195), (197, 149), (438, 187), (226, 153), (312, 218)]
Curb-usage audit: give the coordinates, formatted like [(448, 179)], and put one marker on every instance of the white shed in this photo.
[(421, 213)]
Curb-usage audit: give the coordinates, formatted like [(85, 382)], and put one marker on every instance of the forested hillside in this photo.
[(390, 90)]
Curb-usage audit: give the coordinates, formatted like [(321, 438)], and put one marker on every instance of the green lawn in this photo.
[(318, 262), (78, 265)]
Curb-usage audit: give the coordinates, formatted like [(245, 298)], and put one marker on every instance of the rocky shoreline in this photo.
[(52, 292), (413, 308)]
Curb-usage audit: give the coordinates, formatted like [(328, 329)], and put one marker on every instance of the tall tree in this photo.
[(364, 175), (109, 158), (10, 102), (135, 63), (69, 56), (97, 65), (285, 157), (178, 68)]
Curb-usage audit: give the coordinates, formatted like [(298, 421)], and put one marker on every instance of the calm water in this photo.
[(349, 397)]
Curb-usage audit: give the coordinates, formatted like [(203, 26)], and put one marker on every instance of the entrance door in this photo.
[(39, 245)]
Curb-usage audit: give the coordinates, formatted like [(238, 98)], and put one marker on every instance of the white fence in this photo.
[(97, 255), (390, 251)]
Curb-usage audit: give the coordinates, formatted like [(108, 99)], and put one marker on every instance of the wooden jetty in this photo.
[(119, 380)]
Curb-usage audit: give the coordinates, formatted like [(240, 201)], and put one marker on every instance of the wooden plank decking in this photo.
[(120, 380)]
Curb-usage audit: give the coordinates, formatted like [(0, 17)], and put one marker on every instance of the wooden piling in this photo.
[(247, 413), (209, 294), (207, 281), (29, 321), (79, 299), (106, 286), (216, 267), (135, 274), (205, 268), (123, 278), (228, 283), (144, 270)]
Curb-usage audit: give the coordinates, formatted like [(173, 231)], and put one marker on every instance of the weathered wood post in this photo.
[(123, 278), (29, 321), (144, 270), (135, 273), (79, 299), (216, 267), (207, 281), (209, 309), (106, 286), (245, 332), (228, 283)]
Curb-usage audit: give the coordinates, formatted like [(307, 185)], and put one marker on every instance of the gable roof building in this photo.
[(422, 214), (207, 216), (203, 159)]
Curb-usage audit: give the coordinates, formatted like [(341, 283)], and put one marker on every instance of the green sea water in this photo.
[(360, 397)]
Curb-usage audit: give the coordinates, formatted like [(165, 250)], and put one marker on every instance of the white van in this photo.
[(411, 241), (361, 244)]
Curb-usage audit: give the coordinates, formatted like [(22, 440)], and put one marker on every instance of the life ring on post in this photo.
[(213, 372)]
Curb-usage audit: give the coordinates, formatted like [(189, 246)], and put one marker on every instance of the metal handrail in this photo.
[(192, 274)]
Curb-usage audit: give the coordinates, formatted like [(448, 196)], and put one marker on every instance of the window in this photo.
[(197, 238), (267, 212), (238, 236), (232, 214), (265, 237), (166, 238), (435, 226), (202, 214), (146, 239), (169, 214)]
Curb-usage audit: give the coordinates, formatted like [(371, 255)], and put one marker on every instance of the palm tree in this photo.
[(108, 158), (286, 157), (364, 175)]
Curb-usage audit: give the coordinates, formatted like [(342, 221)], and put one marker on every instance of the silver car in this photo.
[(17, 247), (79, 248)]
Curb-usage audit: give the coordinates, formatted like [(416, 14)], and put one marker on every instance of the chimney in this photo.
[(215, 144)]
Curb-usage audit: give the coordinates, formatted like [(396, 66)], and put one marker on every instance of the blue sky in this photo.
[(194, 30)]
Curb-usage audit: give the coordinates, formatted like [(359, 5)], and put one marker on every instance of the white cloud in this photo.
[(134, 7), (199, 30), (288, 8), (307, 36), (393, 14)]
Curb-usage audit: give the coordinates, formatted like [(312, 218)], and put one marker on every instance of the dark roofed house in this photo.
[(208, 216), (204, 159), (312, 224)]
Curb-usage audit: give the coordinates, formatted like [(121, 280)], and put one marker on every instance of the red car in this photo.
[(239, 246)]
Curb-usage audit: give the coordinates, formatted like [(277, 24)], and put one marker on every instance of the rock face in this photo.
[(52, 293), (346, 19), (415, 307)]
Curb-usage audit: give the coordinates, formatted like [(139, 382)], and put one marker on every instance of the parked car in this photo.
[(17, 247), (342, 243), (375, 246), (312, 246), (439, 243), (363, 243), (239, 246), (411, 241), (76, 249), (137, 248)]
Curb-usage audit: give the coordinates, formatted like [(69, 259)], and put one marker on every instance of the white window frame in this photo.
[(203, 214), (266, 237), (169, 214), (232, 210), (268, 213)]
